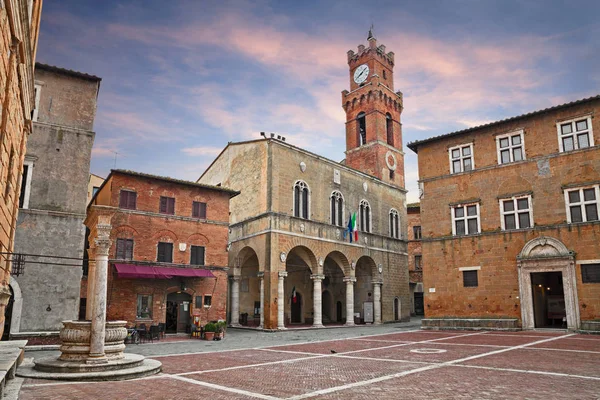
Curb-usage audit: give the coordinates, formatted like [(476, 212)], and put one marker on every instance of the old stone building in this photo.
[(510, 221), (168, 257), (50, 231), (294, 262), (415, 258), (19, 29)]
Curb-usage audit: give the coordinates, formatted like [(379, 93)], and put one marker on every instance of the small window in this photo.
[(575, 134), (461, 158), (510, 148), (418, 262), (95, 190), (389, 124), (364, 216), (197, 255), (394, 224), (25, 184), (337, 208), (301, 200), (199, 210), (590, 273), (36, 110), (245, 285), (128, 199), (167, 205), (470, 279), (465, 219), (144, 306), (384, 75), (207, 300), (417, 232), (516, 213), (124, 249), (582, 204), (361, 125), (165, 252), (198, 301)]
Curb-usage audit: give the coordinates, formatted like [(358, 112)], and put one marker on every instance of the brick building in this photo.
[(53, 201), (510, 221), (19, 29), (168, 257), (415, 258), (293, 260)]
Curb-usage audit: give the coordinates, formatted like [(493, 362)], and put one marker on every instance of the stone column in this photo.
[(377, 301), (235, 301), (89, 305), (317, 300), (98, 333), (261, 278), (281, 300), (350, 300)]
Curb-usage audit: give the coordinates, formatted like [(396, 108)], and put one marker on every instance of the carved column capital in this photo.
[(282, 274), (260, 275), (317, 277)]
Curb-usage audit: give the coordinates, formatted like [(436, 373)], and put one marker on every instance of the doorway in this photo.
[(338, 311), (296, 308), (419, 304), (8, 315), (396, 309), (548, 296), (326, 306), (177, 317)]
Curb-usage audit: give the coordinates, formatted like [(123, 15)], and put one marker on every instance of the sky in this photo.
[(181, 79)]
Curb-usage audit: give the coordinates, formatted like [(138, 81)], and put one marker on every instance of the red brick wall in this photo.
[(414, 246)]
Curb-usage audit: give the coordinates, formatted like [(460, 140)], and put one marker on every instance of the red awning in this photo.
[(150, 272)]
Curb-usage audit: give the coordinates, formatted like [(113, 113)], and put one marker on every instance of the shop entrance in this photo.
[(177, 317), (549, 309)]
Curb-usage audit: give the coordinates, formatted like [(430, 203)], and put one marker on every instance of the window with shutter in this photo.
[(167, 205), (165, 252), (197, 255), (199, 210), (127, 199), (124, 249)]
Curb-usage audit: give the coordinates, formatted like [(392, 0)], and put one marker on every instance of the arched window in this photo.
[(389, 129), (394, 224), (364, 216), (337, 208), (361, 125), (301, 200)]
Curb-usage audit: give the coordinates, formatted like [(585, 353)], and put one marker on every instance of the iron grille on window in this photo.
[(18, 264), (590, 273), (470, 279)]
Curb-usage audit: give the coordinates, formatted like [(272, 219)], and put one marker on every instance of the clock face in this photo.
[(361, 73)]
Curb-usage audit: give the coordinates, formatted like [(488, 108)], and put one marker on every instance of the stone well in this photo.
[(76, 336)]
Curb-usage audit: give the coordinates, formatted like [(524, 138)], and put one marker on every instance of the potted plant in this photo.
[(209, 331), (221, 326)]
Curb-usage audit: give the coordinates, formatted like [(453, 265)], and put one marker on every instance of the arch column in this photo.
[(350, 300), (91, 279), (377, 301), (103, 242), (261, 278), (235, 301), (317, 300), (281, 300)]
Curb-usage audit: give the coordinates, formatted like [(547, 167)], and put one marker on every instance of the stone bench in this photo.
[(11, 356)]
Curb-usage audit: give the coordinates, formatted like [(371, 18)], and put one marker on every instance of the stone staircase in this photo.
[(11, 356)]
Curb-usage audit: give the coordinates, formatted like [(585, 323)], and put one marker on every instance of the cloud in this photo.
[(202, 151)]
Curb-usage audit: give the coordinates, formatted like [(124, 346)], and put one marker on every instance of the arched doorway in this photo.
[(396, 309), (363, 292), (326, 306), (547, 267), (333, 269), (296, 307), (248, 307), (177, 318), (339, 312), (8, 315), (300, 264)]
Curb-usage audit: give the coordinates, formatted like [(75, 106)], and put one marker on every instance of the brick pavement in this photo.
[(411, 364)]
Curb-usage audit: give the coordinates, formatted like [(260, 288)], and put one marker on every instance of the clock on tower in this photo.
[(373, 128)]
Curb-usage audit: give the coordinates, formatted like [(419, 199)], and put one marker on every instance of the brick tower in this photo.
[(373, 128)]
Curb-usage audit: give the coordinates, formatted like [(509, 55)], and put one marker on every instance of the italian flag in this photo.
[(354, 227)]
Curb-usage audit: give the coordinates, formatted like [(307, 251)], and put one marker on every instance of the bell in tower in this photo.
[(373, 127)]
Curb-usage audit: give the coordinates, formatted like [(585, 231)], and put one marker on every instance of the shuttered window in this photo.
[(199, 210), (197, 257), (470, 279), (124, 249), (128, 199), (167, 205), (165, 252)]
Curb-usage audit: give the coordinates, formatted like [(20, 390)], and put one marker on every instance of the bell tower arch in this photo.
[(373, 109)]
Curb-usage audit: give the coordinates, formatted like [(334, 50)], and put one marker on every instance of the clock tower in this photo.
[(373, 128)]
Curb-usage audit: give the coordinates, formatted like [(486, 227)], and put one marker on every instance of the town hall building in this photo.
[(293, 260)]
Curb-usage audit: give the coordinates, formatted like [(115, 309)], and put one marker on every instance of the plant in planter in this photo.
[(209, 331), (221, 327)]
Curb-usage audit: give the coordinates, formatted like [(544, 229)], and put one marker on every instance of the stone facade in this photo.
[(19, 29), (296, 265), (146, 227), (415, 258), (507, 261), (54, 198)]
